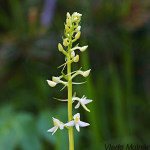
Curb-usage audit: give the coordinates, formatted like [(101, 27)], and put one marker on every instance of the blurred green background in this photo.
[(118, 35)]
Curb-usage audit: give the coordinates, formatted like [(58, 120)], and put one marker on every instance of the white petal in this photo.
[(52, 129), (51, 83), (86, 73), (56, 79), (70, 124), (82, 49), (83, 124), (55, 130), (86, 101), (76, 115), (56, 120), (61, 126), (85, 107), (77, 127), (78, 105)]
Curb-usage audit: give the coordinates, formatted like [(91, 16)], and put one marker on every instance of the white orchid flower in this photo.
[(83, 73), (76, 122), (57, 124), (55, 81), (83, 101), (82, 49)]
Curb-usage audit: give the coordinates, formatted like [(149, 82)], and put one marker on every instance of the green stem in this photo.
[(70, 130)]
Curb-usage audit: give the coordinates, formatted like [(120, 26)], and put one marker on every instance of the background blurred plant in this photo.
[(118, 35)]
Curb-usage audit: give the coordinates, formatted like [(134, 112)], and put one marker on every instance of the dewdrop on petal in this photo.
[(60, 48), (82, 49), (72, 54), (51, 83), (77, 36), (76, 58)]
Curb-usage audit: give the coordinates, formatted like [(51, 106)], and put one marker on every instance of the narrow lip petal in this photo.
[(85, 107), (83, 124), (77, 127), (70, 124), (55, 130)]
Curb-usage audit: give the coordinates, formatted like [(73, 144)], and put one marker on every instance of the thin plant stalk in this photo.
[(70, 130)]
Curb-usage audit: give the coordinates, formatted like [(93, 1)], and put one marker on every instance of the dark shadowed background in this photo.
[(118, 35)]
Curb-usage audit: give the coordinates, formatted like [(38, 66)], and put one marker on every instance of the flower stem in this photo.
[(70, 130)]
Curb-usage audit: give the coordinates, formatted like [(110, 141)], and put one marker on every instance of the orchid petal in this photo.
[(86, 101), (76, 115), (61, 126), (52, 129), (70, 124), (77, 127), (83, 124), (55, 130), (85, 107)]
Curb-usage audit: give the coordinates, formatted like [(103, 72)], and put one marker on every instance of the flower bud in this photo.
[(51, 83), (60, 48), (68, 15), (77, 36), (65, 42), (56, 79), (86, 73), (78, 28), (67, 28), (72, 54), (76, 58), (68, 21), (75, 19), (82, 49)]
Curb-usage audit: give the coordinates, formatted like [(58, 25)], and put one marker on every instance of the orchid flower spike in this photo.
[(83, 101), (76, 122), (57, 124)]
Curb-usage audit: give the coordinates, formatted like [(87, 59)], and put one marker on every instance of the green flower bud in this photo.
[(67, 28), (76, 58), (65, 42), (60, 48), (77, 36)]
